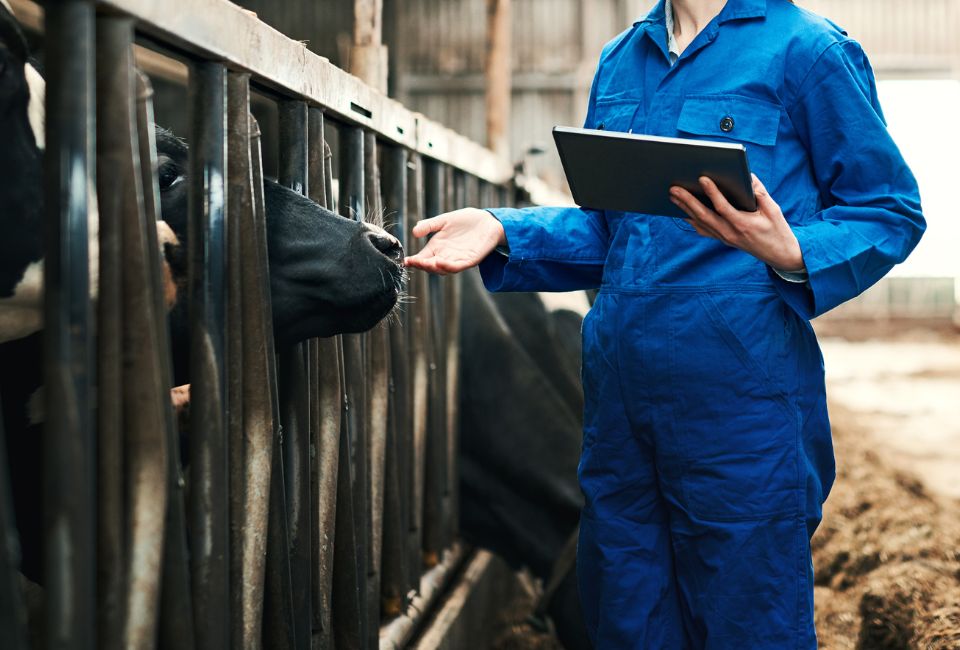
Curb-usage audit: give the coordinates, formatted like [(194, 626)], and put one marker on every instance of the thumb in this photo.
[(765, 202), (427, 226)]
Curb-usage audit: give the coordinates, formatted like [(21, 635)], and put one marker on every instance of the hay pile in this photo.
[(887, 556)]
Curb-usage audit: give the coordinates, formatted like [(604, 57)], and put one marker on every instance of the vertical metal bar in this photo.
[(69, 442), (113, 200), (176, 610), (352, 206), (327, 422), (418, 335), (397, 480), (378, 396), (436, 456), (264, 475), (130, 620), (458, 194), (295, 396), (251, 446), (240, 200), (209, 521)]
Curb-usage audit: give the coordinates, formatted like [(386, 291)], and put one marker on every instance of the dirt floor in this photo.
[(887, 556)]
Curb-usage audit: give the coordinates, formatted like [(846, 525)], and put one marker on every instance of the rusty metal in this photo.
[(326, 421), (295, 397), (69, 501), (208, 508), (175, 607)]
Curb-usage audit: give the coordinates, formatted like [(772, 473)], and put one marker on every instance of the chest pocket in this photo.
[(616, 114), (730, 118)]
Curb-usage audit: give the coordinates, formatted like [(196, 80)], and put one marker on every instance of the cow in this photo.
[(520, 436)]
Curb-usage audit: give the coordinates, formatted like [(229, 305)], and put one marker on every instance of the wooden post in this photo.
[(368, 59), (498, 72)]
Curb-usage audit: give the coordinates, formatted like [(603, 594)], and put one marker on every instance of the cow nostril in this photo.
[(386, 243)]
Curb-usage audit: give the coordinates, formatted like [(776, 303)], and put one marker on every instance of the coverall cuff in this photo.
[(828, 275), (495, 269)]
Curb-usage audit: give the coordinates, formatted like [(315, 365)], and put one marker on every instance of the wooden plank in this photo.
[(219, 30), (498, 73)]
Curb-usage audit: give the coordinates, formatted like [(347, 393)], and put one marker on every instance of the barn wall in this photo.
[(437, 52)]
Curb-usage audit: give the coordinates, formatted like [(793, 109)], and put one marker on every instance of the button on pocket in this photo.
[(726, 124)]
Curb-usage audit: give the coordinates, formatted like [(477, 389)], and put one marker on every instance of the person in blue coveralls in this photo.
[(706, 452)]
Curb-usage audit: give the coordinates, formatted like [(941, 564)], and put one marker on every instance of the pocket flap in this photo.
[(730, 117)]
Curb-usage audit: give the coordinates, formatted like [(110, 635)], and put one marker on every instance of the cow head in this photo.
[(328, 275)]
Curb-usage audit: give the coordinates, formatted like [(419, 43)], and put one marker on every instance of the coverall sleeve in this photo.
[(871, 217), (551, 248)]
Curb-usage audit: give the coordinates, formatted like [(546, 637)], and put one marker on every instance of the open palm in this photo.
[(461, 239)]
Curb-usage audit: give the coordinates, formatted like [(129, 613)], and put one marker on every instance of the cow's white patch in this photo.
[(576, 301), (35, 110), (36, 411), (22, 313)]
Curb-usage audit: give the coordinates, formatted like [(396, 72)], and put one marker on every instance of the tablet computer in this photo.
[(608, 170)]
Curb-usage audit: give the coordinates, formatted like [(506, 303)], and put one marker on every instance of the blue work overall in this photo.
[(707, 453)]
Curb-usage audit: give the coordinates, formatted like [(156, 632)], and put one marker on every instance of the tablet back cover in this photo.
[(633, 173)]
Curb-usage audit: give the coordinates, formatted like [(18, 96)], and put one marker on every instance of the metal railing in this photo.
[(322, 479)]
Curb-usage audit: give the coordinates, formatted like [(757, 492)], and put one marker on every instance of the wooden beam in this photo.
[(368, 57), (498, 71)]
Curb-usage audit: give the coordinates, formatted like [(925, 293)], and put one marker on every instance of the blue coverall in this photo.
[(707, 452)]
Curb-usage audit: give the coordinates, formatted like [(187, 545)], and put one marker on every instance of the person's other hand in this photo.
[(461, 239), (765, 234)]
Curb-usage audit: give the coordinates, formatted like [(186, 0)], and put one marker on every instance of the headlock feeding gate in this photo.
[(321, 480)]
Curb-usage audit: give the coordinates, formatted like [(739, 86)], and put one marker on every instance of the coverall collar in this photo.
[(733, 10)]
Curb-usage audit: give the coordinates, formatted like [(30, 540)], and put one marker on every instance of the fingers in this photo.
[(427, 226), (720, 203), (703, 218)]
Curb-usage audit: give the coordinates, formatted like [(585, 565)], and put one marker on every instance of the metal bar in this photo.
[(327, 423), (114, 200), (262, 420), (175, 607), (69, 442), (378, 396), (143, 396), (295, 396), (352, 206), (435, 475), (209, 521), (458, 195), (240, 202), (418, 333), (396, 517)]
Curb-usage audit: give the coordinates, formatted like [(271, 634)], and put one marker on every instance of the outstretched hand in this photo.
[(461, 239), (765, 234)]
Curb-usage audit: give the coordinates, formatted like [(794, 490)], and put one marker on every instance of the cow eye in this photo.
[(169, 173)]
